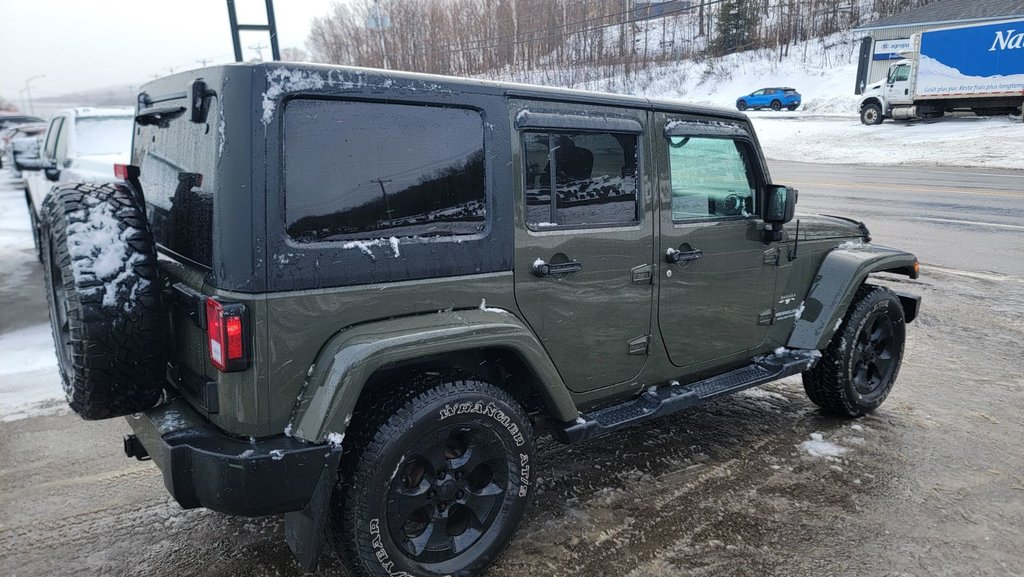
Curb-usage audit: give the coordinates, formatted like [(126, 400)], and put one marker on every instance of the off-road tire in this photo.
[(871, 115), (104, 295), (831, 383), (776, 105), (379, 459), (742, 106)]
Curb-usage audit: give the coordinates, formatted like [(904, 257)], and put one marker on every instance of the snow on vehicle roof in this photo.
[(89, 112)]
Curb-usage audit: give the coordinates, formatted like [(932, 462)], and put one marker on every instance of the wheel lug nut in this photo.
[(460, 494)]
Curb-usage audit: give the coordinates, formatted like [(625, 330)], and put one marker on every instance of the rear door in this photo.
[(584, 238), (718, 282)]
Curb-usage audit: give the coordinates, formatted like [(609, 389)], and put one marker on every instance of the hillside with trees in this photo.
[(572, 40)]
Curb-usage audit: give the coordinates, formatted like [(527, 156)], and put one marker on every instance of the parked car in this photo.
[(321, 291), (8, 119), (774, 98), (20, 141), (80, 145)]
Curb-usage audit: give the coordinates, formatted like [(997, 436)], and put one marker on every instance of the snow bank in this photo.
[(827, 127), (29, 382), (963, 141)]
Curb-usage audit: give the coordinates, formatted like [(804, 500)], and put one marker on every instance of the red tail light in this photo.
[(225, 332), (126, 171)]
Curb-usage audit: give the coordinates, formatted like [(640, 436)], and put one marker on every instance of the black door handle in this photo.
[(541, 268), (676, 256)]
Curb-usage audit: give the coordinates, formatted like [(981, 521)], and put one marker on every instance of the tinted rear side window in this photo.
[(363, 170), (594, 178)]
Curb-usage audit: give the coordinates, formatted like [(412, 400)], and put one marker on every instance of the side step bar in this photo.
[(661, 401)]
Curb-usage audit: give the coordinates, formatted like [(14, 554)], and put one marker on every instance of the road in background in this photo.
[(931, 484), (965, 219)]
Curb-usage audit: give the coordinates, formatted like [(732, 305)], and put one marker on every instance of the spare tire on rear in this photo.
[(104, 295)]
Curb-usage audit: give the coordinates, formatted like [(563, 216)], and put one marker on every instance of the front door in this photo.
[(584, 240), (897, 87), (717, 283)]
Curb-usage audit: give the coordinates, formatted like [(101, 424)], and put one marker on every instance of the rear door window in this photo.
[(391, 170), (593, 174)]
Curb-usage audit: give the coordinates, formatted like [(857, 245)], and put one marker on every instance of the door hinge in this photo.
[(641, 274), (766, 317), (639, 345)]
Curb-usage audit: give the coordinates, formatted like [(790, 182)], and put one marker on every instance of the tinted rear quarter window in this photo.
[(368, 170)]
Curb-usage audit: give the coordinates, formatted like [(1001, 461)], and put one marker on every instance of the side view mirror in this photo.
[(32, 163), (780, 204)]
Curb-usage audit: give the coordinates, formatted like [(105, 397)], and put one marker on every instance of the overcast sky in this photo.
[(86, 44)]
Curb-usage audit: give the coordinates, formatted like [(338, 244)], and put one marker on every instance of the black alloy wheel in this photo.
[(448, 492), (859, 367), (436, 476), (874, 354)]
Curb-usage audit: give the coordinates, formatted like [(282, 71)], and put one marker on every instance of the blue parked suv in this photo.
[(774, 98)]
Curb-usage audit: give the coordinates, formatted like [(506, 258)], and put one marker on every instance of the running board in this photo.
[(660, 401)]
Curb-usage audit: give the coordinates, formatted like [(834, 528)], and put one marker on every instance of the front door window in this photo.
[(711, 178)]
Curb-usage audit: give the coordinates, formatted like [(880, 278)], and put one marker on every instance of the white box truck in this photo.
[(977, 68)]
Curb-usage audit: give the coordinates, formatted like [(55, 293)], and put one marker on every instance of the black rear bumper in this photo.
[(204, 467)]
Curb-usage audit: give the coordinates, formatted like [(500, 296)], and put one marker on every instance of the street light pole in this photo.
[(28, 91)]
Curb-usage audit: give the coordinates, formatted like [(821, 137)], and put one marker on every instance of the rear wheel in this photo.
[(776, 105), (436, 482), (860, 365)]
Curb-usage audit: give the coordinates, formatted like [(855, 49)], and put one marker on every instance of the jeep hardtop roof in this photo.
[(452, 84)]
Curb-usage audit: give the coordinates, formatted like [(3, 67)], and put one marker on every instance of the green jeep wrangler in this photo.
[(357, 297)]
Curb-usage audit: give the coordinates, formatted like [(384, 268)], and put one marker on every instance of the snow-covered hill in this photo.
[(827, 128)]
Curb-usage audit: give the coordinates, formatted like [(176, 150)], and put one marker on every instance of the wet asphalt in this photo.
[(932, 484)]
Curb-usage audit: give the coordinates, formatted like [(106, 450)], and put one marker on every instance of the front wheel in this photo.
[(741, 106), (437, 480), (871, 114), (859, 367)]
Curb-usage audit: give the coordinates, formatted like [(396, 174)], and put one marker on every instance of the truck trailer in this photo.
[(977, 68)]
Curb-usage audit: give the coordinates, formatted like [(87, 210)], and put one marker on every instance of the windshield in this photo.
[(104, 135)]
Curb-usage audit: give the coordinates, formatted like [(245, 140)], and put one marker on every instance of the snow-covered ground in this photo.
[(29, 383)]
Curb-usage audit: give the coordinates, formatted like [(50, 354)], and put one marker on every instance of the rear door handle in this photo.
[(676, 256), (541, 268)]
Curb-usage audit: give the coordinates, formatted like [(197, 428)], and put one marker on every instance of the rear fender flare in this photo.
[(351, 357), (842, 272)]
